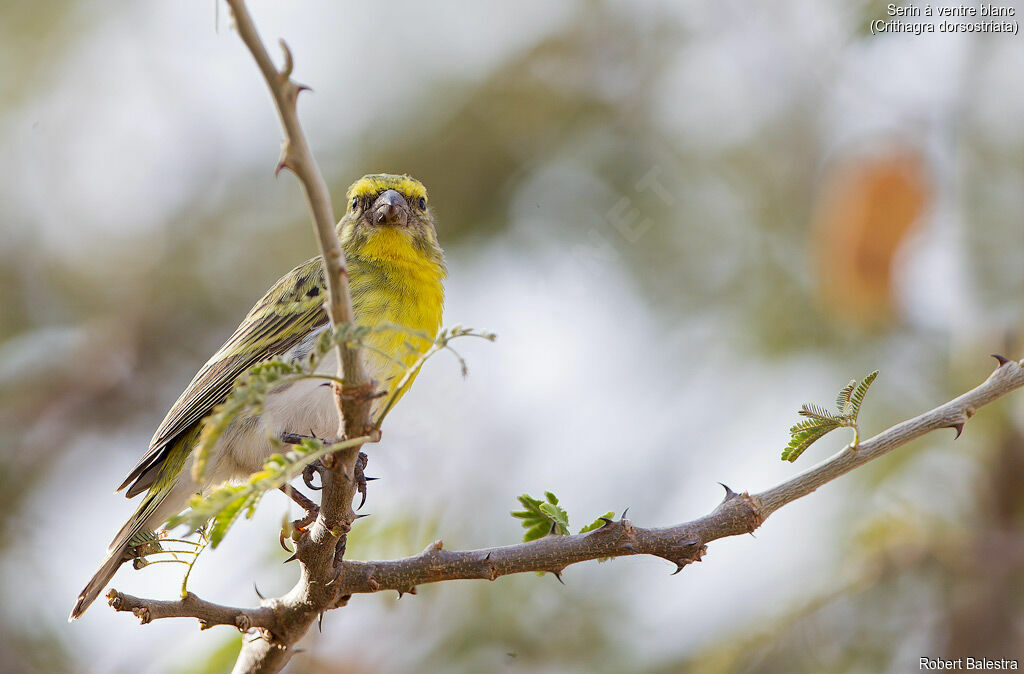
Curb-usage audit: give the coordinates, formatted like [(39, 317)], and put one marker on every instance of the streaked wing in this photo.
[(289, 311)]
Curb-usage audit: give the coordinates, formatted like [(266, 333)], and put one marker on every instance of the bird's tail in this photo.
[(111, 563), (136, 531)]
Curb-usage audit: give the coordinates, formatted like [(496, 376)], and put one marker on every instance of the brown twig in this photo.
[(191, 606), (681, 544)]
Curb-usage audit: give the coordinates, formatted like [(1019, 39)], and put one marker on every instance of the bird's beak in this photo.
[(390, 208)]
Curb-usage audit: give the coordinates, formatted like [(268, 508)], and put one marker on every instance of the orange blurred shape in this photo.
[(866, 208)]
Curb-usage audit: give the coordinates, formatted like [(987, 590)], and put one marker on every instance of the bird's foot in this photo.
[(311, 508)]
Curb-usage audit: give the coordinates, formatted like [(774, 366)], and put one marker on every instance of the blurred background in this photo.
[(682, 219)]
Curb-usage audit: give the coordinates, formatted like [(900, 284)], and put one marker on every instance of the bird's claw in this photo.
[(360, 478), (315, 468)]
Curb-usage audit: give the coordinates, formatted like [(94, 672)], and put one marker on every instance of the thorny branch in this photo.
[(680, 544)]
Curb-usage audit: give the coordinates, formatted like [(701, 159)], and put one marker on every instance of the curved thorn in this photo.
[(258, 593), (729, 493), (291, 559), (679, 567), (629, 547), (959, 428), (1002, 360), (605, 520), (286, 70), (623, 516), (280, 539), (558, 576), (320, 623)]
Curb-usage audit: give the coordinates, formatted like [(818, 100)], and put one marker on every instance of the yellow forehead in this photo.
[(374, 184)]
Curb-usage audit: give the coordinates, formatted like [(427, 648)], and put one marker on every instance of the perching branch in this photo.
[(317, 549), (681, 544)]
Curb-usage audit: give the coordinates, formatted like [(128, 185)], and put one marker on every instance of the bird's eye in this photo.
[(423, 204), (355, 202)]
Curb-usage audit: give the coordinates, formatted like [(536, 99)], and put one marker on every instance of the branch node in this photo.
[(243, 622), (143, 614), (116, 600), (750, 508)]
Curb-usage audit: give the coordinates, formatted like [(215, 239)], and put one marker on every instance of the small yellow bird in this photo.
[(396, 274)]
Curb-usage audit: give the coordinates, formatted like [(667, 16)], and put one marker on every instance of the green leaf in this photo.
[(559, 518), (803, 439), (598, 523), (858, 395), (820, 421), (815, 412), (843, 399), (541, 518)]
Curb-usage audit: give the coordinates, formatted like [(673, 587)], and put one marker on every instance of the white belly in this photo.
[(306, 407)]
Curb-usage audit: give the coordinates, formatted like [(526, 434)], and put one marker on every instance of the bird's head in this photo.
[(387, 216)]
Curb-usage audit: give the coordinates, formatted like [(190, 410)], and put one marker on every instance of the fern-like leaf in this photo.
[(820, 421), (843, 399), (858, 395), (820, 413), (804, 438), (223, 506)]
